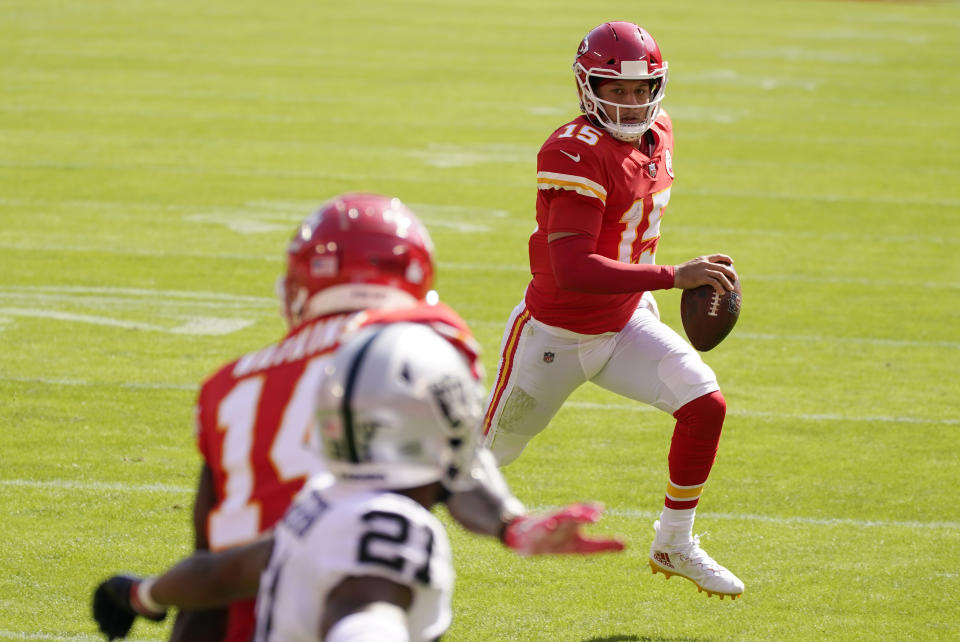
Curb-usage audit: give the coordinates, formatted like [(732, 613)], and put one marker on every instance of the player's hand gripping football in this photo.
[(559, 532), (116, 605), (715, 270)]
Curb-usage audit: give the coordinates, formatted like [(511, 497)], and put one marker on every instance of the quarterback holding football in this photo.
[(604, 182)]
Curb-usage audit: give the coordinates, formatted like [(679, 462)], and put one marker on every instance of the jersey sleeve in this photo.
[(571, 175), (568, 214)]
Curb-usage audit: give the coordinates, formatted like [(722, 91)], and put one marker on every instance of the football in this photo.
[(708, 317)]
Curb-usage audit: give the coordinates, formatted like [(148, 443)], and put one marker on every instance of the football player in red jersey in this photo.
[(604, 182), (362, 559), (360, 260)]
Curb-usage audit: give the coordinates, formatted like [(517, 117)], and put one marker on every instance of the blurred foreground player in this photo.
[(360, 259), (588, 314), (363, 559)]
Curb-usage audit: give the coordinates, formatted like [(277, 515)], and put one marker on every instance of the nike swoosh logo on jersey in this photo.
[(574, 158)]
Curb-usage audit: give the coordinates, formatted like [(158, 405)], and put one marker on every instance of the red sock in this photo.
[(693, 449)]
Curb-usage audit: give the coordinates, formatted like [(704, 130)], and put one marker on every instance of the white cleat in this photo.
[(692, 562)]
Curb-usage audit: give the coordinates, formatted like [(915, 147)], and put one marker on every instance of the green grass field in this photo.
[(155, 156)]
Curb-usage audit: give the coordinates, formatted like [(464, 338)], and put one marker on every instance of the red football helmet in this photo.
[(357, 251), (619, 50)]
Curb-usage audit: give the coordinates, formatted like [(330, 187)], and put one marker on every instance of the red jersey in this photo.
[(254, 419), (613, 179)]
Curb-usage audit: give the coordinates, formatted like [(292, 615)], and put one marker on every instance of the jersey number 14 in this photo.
[(237, 519)]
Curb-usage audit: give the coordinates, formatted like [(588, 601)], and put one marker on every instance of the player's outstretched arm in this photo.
[(205, 580), (559, 533), (208, 624), (201, 581), (488, 506)]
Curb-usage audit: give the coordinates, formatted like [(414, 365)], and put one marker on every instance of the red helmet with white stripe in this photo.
[(357, 251), (623, 51)]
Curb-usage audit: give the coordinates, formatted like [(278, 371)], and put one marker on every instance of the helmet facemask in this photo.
[(607, 113)]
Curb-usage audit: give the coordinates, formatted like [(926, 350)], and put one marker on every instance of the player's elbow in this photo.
[(213, 579), (570, 277), (570, 261), (221, 578)]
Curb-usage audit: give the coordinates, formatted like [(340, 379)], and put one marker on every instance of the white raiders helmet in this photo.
[(399, 408)]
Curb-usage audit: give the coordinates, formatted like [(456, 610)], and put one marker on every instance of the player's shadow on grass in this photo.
[(641, 638)]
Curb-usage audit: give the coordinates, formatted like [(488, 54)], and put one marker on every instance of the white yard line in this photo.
[(74, 637), (71, 637), (780, 416), (107, 384), (794, 520), (139, 292), (893, 343), (168, 311), (62, 485), (208, 326), (95, 486), (79, 318)]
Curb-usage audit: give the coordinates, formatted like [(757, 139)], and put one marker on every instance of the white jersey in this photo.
[(334, 532)]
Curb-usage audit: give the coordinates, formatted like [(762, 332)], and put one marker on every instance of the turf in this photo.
[(155, 156)]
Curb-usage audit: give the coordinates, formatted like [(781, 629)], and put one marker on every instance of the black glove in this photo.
[(115, 606)]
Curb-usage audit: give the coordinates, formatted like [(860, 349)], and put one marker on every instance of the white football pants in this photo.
[(541, 365)]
